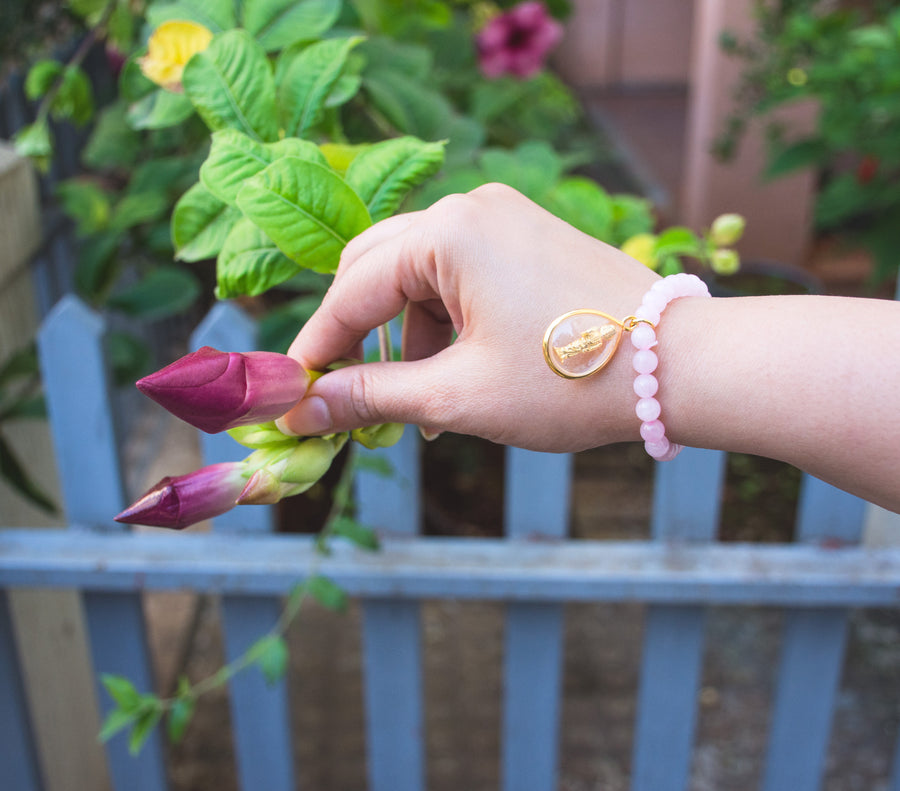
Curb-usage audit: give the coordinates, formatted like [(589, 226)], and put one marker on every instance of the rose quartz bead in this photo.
[(645, 385), (654, 301), (671, 453), (643, 336), (645, 361), (658, 449), (652, 431), (647, 409), (643, 312)]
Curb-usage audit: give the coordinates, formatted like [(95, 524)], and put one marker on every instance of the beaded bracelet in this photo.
[(582, 342)]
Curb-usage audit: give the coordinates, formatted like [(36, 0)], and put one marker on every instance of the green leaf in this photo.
[(384, 173), (86, 203), (583, 203), (200, 224), (374, 463), (29, 408), (129, 357), (306, 209), (12, 471), (216, 15), (533, 168), (75, 98), (165, 291), (234, 158), (98, 265), (412, 107), (122, 691), (277, 24), (117, 720), (250, 263), (278, 327), (802, 154), (147, 719), (676, 241), (41, 77), (34, 141), (138, 208), (327, 593), (113, 143), (841, 199), (364, 537), (231, 86), (21, 363), (272, 657), (179, 717), (631, 215), (307, 77), (159, 109)]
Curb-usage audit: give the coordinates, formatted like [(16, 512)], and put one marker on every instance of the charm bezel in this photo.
[(608, 353)]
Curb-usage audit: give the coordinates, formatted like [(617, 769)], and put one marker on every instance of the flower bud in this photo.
[(215, 391), (284, 473), (381, 436), (642, 247), (725, 262), (727, 229), (260, 435), (185, 499)]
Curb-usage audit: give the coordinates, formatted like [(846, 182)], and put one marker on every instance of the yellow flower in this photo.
[(642, 247), (169, 49)]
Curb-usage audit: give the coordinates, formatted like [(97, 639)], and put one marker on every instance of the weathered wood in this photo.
[(686, 509), (74, 372), (536, 502), (260, 711)]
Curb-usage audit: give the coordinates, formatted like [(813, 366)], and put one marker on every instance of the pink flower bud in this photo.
[(185, 499), (215, 391)]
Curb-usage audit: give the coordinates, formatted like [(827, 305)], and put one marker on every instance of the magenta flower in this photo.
[(185, 499), (517, 42), (215, 391)]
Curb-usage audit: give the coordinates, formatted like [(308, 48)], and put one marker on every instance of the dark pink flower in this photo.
[(517, 42), (215, 391), (185, 499)]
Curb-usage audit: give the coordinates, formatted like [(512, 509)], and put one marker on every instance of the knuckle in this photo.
[(362, 399)]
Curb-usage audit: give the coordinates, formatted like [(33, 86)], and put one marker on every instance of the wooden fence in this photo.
[(533, 570)]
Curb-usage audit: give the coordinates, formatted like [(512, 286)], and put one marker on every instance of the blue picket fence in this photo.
[(534, 570)]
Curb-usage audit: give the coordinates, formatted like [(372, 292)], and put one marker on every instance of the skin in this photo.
[(809, 380)]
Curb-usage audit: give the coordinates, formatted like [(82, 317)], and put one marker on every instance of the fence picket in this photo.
[(17, 747), (260, 712), (77, 392), (686, 508), (812, 653), (536, 502), (392, 632)]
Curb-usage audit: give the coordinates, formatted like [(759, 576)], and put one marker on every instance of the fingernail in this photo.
[(311, 416), (428, 435)]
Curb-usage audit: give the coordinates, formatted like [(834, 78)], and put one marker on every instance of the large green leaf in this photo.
[(216, 15), (250, 263), (306, 209), (234, 157), (159, 109), (412, 108), (113, 144), (200, 224), (307, 77), (583, 203), (533, 168), (802, 154), (276, 24), (230, 84), (12, 471), (384, 173)]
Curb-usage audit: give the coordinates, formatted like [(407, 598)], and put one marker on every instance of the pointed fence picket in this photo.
[(534, 570)]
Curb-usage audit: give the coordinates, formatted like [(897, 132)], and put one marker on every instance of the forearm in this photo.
[(814, 381)]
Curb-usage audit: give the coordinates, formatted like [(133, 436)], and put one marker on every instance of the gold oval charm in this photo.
[(581, 342)]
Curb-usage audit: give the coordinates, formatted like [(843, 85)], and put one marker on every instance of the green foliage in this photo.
[(846, 60)]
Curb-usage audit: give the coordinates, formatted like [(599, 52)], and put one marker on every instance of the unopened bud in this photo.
[(381, 436), (725, 262), (727, 229)]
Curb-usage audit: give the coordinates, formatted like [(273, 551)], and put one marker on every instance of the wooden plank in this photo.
[(77, 391), (17, 748), (812, 653), (487, 569), (392, 630), (686, 509), (536, 505), (260, 712)]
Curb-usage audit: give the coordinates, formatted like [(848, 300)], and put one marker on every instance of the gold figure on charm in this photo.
[(589, 341)]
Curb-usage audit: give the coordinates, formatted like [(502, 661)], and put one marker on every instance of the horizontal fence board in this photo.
[(488, 569)]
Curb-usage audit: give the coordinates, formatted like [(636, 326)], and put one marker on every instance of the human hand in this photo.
[(496, 269)]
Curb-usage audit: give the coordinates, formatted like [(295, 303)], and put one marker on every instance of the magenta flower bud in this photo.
[(215, 391), (518, 41), (186, 499)]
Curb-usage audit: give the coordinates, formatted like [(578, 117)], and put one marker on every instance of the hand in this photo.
[(496, 269)]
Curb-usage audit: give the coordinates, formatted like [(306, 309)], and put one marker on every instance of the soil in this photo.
[(462, 647)]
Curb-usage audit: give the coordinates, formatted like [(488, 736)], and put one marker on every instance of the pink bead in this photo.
[(643, 336), (645, 361), (652, 431), (671, 453), (658, 449), (647, 314), (654, 301), (647, 409), (645, 385)]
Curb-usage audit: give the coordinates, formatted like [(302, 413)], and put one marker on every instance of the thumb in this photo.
[(418, 392)]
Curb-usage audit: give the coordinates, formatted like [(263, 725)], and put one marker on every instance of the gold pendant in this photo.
[(581, 342)]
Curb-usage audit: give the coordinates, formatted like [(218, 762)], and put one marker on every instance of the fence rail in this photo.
[(534, 571)]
